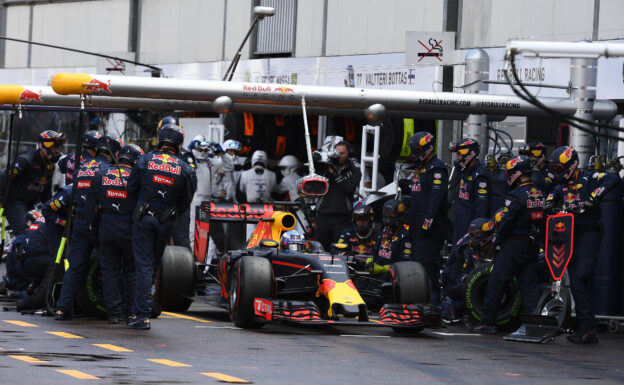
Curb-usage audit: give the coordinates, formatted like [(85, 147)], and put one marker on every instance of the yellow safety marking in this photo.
[(64, 335), (21, 323), (225, 378), (78, 374), (28, 359), (186, 317), (167, 362), (113, 347)]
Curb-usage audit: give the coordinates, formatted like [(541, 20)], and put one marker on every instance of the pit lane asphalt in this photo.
[(202, 347)]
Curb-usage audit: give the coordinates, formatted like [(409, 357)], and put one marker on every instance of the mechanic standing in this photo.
[(541, 175), (84, 237), (333, 210), (67, 162), (163, 185), (229, 182), (471, 250), (361, 236), (473, 200), (428, 217), (115, 208), (29, 179), (518, 235), (580, 192)]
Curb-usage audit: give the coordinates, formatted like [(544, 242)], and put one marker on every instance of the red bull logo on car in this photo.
[(28, 96)]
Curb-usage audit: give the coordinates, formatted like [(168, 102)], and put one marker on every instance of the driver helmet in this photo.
[(293, 241)]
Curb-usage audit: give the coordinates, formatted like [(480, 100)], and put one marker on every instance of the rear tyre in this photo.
[(507, 317), (251, 277), (174, 290), (90, 298), (410, 284)]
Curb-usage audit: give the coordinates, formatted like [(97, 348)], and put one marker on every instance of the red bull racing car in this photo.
[(259, 283)]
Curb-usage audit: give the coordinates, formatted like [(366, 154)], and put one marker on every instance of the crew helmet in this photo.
[(421, 146), (130, 153), (91, 139), (49, 139), (393, 211), (563, 162), (533, 150), (110, 144), (232, 144), (259, 157), (167, 120), (171, 134), (293, 241), (467, 149), (289, 163), (481, 232), (517, 166), (363, 213)]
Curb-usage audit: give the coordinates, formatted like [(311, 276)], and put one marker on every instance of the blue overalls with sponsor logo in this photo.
[(473, 199), (83, 239), (115, 209), (517, 233), (162, 184), (428, 220)]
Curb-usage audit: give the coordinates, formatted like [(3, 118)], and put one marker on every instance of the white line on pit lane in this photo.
[(457, 334), (218, 327), (362, 336)]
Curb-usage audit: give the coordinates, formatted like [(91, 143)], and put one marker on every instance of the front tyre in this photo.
[(251, 278), (410, 285)]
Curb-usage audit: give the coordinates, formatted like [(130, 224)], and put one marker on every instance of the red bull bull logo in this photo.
[(116, 172), (95, 85), (566, 155), (165, 165), (425, 139), (166, 158), (512, 163), (28, 96), (534, 193), (488, 226), (91, 164), (283, 89), (560, 227)]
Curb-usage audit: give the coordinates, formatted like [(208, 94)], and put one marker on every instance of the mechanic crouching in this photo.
[(580, 192), (83, 237), (394, 243), (163, 185), (114, 208), (361, 236), (518, 235), (471, 250)]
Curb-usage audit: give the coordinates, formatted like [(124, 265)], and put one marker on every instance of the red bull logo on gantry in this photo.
[(283, 89), (95, 85), (28, 96)]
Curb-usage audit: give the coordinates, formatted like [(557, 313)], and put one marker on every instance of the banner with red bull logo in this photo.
[(559, 243)]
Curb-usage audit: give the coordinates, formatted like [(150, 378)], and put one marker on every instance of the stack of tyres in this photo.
[(609, 272)]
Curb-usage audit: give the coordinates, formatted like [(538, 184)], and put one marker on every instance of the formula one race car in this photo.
[(261, 283)]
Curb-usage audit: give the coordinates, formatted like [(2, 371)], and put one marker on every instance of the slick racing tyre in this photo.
[(251, 277), (474, 291), (410, 285), (90, 298), (176, 279), (560, 309)]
